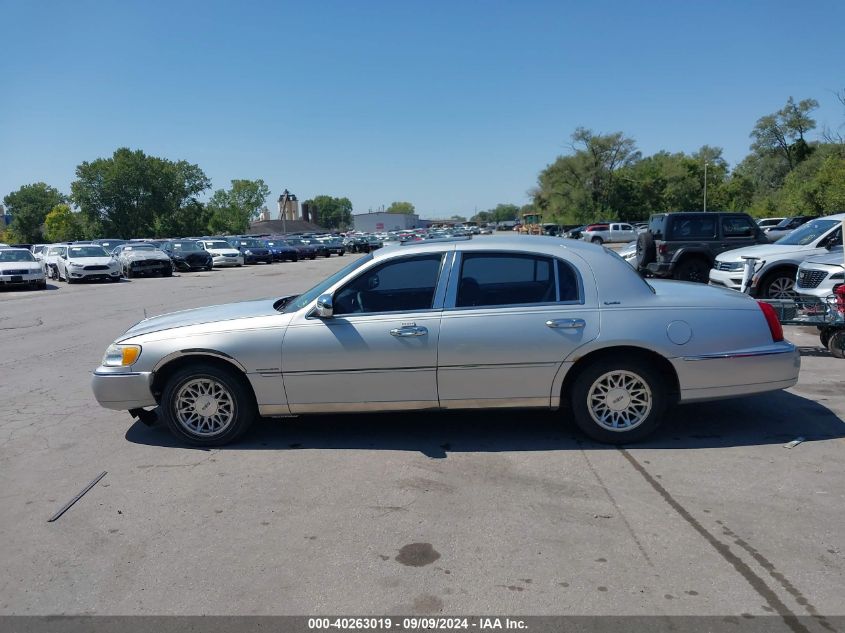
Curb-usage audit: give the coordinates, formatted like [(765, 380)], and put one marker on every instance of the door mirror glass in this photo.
[(324, 306)]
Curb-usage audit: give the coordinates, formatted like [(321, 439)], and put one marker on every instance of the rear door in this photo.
[(509, 321)]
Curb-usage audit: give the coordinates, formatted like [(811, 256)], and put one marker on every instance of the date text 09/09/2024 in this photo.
[(416, 623)]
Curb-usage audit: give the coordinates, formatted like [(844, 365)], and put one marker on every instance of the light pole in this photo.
[(705, 183)]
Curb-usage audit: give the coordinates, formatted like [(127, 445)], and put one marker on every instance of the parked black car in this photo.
[(306, 250), (333, 246), (684, 245), (253, 250), (281, 250), (187, 255)]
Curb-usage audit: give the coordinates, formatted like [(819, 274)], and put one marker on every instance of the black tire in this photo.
[(41, 285), (341, 253), (68, 280), (127, 273), (592, 373), (243, 404), (313, 257), (167, 273), (693, 269), (295, 258), (778, 284), (836, 344), (646, 250), (824, 336), (597, 240)]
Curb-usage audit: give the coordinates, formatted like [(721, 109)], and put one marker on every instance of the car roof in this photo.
[(515, 243)]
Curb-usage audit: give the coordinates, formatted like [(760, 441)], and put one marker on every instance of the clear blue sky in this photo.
[(451, 105)]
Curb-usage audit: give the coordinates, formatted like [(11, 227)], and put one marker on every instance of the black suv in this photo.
[(684, 245)]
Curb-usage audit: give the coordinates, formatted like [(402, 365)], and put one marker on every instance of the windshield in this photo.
[(86, 251), (16, 256), (185, 246), (309, 295), (807, 233), (140, 247), (252, 244), (220, 244)]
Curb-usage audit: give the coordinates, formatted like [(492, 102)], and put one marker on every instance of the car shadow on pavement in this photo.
[(775, 418)]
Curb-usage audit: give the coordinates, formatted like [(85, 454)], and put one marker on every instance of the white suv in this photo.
[(819, 276), (777, 264)]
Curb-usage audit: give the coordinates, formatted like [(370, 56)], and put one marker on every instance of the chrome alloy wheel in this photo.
[(204, 407), (782, 288), (619, 400)]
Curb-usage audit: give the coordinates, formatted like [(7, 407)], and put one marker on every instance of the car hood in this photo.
[(834, 258), (91, 261), (198, 316), (763, 251), (30, 266), (133, 255)]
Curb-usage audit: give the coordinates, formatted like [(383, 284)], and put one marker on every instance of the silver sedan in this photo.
[(512, 321)]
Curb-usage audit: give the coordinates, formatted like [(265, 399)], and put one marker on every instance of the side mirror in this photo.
[(324, 306)]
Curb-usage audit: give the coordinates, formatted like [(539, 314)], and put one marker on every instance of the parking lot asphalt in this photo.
[(502, 513)]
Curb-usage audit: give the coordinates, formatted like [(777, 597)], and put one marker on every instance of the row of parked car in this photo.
[(805, 262), (30, 265)]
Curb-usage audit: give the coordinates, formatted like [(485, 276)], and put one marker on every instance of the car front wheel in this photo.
[(206, 405), (617, 401), (778, 285)]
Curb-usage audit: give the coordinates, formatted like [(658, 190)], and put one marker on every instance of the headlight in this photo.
[(121, 355), (838, 276), (736, 265), (247, 252), (75, 265)]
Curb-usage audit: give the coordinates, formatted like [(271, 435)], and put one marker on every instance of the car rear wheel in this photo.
[(779, 284), (692, 269), (618, 401), (206, 405), (597, 240)]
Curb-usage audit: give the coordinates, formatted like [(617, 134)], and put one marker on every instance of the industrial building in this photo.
[(382, 221)]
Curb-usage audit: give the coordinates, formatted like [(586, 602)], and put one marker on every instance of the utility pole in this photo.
[(283, 200), (705, 183)]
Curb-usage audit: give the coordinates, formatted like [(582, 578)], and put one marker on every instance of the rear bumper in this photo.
[(122, 391), (737, 373)]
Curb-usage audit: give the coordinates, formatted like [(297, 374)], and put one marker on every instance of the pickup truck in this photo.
[(611, 232)]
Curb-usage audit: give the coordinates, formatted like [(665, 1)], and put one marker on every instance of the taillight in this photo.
[(663, 249), (839, 293), (772, 320)]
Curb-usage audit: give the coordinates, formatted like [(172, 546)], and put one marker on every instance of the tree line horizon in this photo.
[(602, 177)]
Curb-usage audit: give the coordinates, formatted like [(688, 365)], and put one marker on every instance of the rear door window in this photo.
[(498, 279), (695, 227)]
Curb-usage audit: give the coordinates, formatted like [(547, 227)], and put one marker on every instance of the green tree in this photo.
[(230, 210), (401, 207), (63, 225), (29, 207), (131, 194), (330, 212), (782, 132)]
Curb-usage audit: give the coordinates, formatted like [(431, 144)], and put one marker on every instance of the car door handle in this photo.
[(408, 330), (566, 324)]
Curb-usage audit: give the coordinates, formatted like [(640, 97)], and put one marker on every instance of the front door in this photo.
[(379, 349), (509, 321)]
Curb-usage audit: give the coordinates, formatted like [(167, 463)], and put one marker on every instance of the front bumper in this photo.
[(28, 279), (122, 390), (224, 260), (731, 279), (93, 275), (153, 267), (738, 372)]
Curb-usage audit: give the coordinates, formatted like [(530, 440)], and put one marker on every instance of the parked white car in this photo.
[(86, 262), (19, 268), (222, 253), (820, 275), (49, 259), (768, 223), (777, 265), (615, 232)]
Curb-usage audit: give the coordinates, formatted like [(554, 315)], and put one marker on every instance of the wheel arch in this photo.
[(683, 254), (664, 367), (172, 363)]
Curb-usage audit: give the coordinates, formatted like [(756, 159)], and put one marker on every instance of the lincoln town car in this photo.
[(519, 321)]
